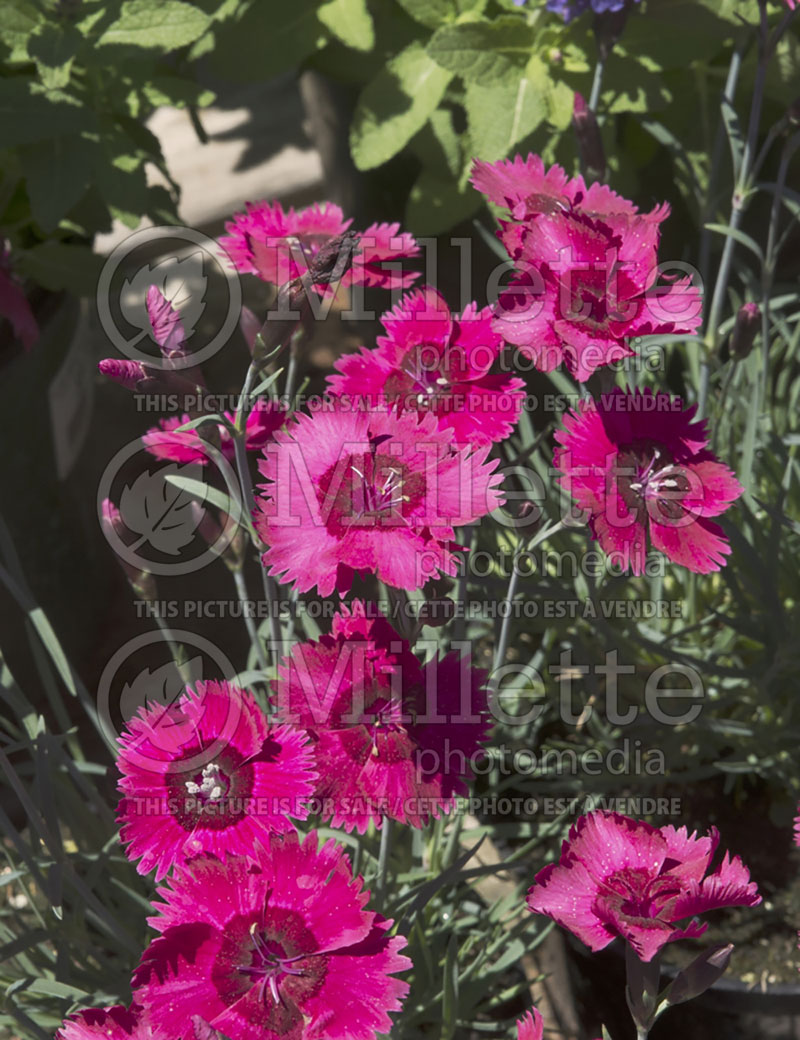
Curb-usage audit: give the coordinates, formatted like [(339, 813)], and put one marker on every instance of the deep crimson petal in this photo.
[(14, 306), (210, 775), (622, 877), (729, 885), (391, 739), (636, 462), (369, 491), (530, 1026), (277, 245), (272, 946), (112, 1023)]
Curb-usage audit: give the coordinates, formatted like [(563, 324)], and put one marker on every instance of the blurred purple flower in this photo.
[(569, 9)]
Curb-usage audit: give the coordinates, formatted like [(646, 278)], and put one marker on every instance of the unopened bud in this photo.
[(590, 143), (249, 325), (700, 975), (747, 324), (126, 373), (333, 258), (141, 581), (142, 378)]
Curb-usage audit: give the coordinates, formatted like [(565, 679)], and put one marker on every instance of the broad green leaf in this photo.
[(57, 265), (730, 10), (17, 22), (628, 86), (558, 97), (435, 204), (57, 173), (483, 51), (177, 92), (267, 39), (501, 114), (54, 49), (349, 21), (28, 113), (120, 177), (395, 105), (438, 145), (430, 13), (661, 33), (162, 24)]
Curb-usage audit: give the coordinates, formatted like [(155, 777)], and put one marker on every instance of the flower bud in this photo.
[(700, 975), (748, 321), (333, 258), (142, 378), (590, 143), (142, 582), (249, 325)]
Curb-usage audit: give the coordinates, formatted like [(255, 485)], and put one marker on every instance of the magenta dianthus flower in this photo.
[(390, 737), (165, 442), (275, 245), (368, 491), (587, 269), (530, 1026), (208, 774), (277, 946), (430, 361), (623, 877), (114, 1023), (638, 463)]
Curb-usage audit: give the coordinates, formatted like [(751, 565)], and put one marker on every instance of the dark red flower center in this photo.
[(650, 481), (369, 489), (637, 895), (215, 797), (269, 969), (270, 964), (424, 380)]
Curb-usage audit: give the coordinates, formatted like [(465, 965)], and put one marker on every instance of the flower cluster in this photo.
[(391, 738), (263, 933), (586, 285), (587, 269)]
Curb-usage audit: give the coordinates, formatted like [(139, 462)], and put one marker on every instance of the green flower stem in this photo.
[(597, 83), (742, 191), (178, 656), (383, 857), (252, 631), (242, 468), (771, 255)]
